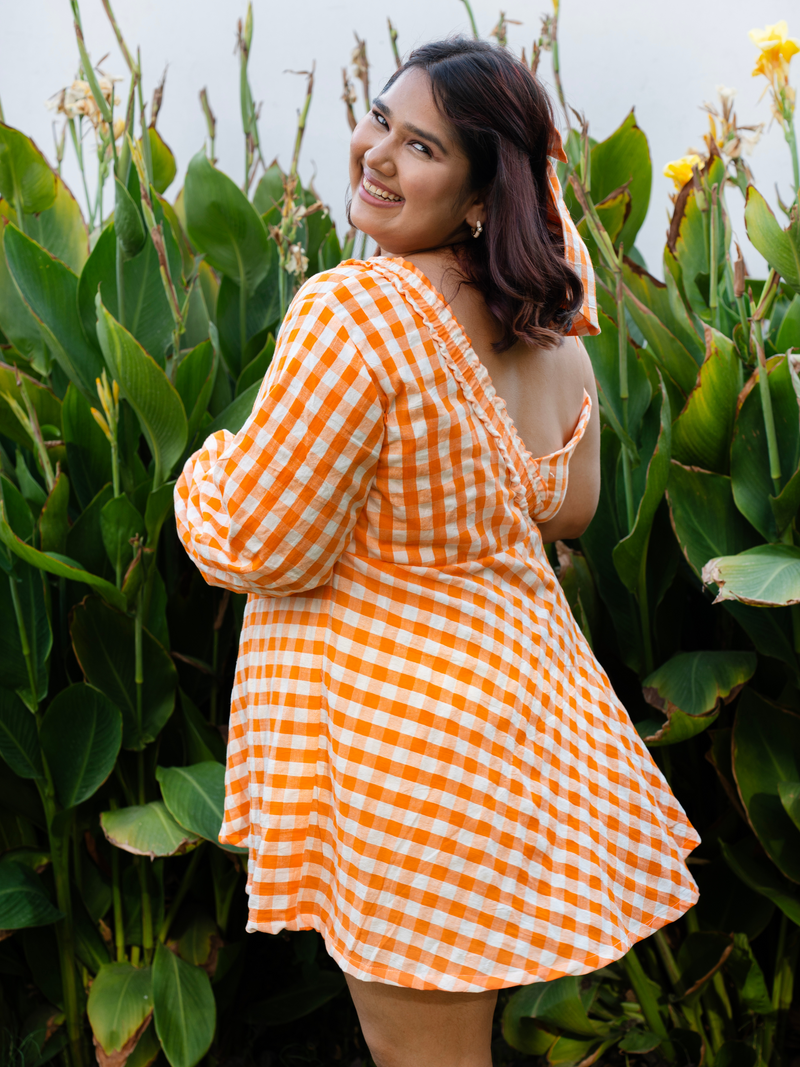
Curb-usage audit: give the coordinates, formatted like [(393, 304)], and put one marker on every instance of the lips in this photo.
[(377, 193)]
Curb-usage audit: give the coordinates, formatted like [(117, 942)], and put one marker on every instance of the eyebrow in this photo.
[(377, 102)]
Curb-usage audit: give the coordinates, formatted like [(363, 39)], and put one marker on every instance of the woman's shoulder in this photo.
[(350, 284)]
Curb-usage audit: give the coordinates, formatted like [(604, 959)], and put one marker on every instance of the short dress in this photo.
[(425, 760)]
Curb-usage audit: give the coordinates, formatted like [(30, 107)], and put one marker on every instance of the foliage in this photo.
[(124, 344)]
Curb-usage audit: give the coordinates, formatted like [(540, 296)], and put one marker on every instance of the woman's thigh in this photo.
[(424, 1028)]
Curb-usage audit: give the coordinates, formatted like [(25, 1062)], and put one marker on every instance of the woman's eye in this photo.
[(380, 118), (421, 147)]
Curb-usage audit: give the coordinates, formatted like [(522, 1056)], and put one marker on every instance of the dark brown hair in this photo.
[(503, 121)]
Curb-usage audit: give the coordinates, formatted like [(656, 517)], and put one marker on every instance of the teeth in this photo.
[(375, 191)]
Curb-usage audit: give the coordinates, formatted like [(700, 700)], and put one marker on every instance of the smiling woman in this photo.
[(425, 760)]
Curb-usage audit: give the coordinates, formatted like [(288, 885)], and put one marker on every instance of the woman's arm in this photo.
[(270, 510), (583, 486)]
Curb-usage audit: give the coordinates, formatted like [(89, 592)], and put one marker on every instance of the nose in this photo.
[(380, 157)]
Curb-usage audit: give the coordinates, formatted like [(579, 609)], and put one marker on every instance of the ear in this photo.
[(476, 212)]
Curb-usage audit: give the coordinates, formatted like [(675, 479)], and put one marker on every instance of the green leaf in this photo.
[(119, 522), (185, 1010), (61, 566), (700, 956), (120, 1000), (672, 357), (147, 1049), (690, 689), (90, 948), (236, 413), (88, 450), (521, 1032), (23, 900), (704, 516), (689, 239), (201, 741), (598, 543), (766, 751), (748, 977), (701, 434), (19, 325), (194, 381), (750, 470), (736, 1054), (128, 225), (31, 598), (81, 734), (269, 191), (604, 353), (147, 830), (103, 640), (148, 390), (789, 792), (195, 797), (164, 165), (50, 290), (770, 631), (639, 1041), (766, 576), (18, 510), (61, 229), (666, 303), (147, 313), (159, 506), (26, 180), (747, 863), (631, 550), (222, 223), (45, 403), (85, 540), (261, 309), (557, 1004), (789, 332), (194, 944), (780, 248), (54, 519), (624, 157), (19, 742), (612, 211), (253, 373)]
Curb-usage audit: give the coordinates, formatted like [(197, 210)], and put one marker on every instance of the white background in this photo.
[(664, 59)]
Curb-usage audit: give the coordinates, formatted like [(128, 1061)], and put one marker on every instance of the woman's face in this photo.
[(408, 176)]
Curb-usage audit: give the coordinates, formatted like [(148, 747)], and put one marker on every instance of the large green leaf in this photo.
[(128, 224), (704, 516), (632, 550), (81, 734), (44, 401), (185, 1009), (239, 321), (50, 290), (604, 352), (19, 743), (104, 642), (689, 242), (148, 390), (558, 1005), (30, 596), (766, 752), (147, 830), (17, 322), (147, 313), (54, 518), (750, 469), (701, 434), (120, 1002), (672, 356), (748, 977), (598, 543), (236, 413), (88, 450), (780, 248), (23, 900), (26, 179), (195, 797), (147, 1050), (85, 539), (766, 576), (164, 165), (194, 381), (666, 303), (747, 862), (690, 689), (61, 566), (624, 157), (299, 999), (61, 229), (119, 523), (222, 222)]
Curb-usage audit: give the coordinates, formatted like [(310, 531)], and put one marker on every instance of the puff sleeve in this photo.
[(270, 509)]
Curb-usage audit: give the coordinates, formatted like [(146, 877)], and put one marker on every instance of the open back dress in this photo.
[(425, 760)]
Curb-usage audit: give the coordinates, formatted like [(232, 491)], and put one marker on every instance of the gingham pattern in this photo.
[(425, 760)]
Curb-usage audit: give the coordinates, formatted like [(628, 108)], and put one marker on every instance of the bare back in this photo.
[(543, 391)]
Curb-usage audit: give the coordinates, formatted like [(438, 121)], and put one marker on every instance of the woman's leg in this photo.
[(424, 1028)]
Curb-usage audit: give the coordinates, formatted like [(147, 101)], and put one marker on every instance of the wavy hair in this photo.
[(502, 119)]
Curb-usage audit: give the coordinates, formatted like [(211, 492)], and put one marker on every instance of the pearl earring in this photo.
[(477, 230)]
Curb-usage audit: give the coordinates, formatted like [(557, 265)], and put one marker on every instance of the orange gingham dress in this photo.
[(425, 760)]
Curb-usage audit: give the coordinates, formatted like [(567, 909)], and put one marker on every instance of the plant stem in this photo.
[(76, 141), (671, 967), (766, 407), (177, 900), (393, 39), (472, 23), (712, 271), (23, 638), (301, 122), (119, 262), (147, 913), (647, 1001), (791, 139), (116, 895)]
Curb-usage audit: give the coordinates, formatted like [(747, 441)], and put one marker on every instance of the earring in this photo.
[(477, 230)]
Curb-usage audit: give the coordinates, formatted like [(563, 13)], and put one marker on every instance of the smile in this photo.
[(375, 192)]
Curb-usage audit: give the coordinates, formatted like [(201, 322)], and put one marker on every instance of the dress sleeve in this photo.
[(270, 509)]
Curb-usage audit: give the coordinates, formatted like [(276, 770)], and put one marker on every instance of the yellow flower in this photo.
[(776, 49), (680, 170)]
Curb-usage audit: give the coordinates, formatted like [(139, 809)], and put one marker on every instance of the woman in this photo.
[(426, 761)]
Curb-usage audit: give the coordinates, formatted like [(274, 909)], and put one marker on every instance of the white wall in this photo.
[(665, 59)]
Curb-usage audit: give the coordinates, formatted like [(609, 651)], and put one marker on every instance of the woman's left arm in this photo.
[(270, 509)]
